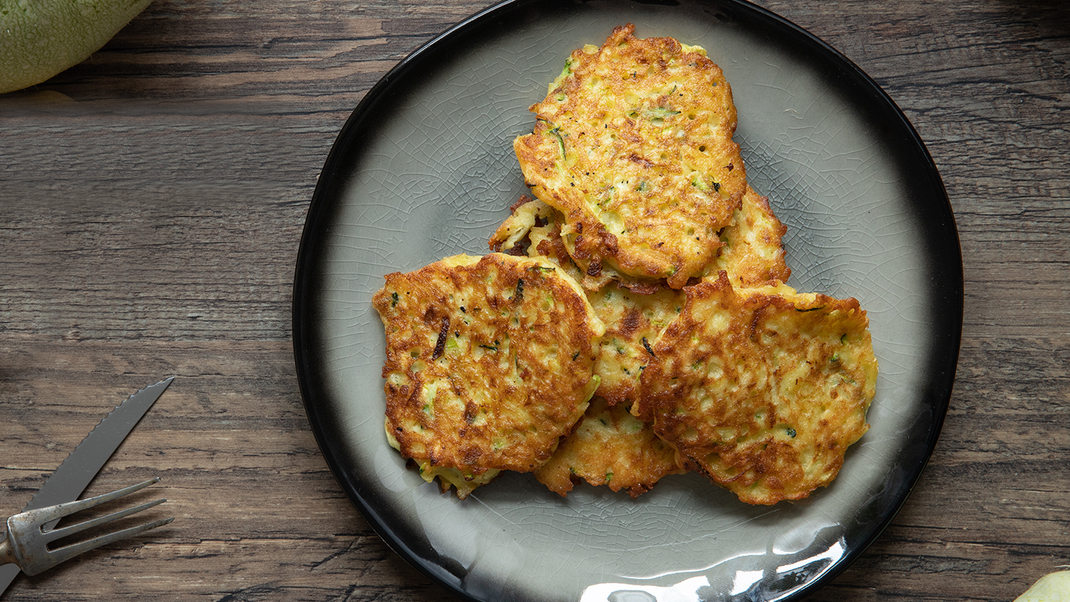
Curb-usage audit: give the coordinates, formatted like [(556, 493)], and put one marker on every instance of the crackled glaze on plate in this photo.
[(424, 168)]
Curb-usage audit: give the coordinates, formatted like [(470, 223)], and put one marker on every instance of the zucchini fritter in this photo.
[(489, 362), (633, 145), (609, 447), (763, 389), (753, 252)]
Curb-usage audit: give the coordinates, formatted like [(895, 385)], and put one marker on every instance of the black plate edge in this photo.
[(951, 308)]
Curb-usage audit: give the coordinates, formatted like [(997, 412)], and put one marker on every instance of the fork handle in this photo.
[(7, 554)]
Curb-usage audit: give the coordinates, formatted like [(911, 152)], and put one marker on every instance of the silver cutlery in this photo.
[(29, 538), (83, 464)]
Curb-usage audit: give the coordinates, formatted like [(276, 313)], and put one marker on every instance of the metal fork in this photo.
[(30, 533)]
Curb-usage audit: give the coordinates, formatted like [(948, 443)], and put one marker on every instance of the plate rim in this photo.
[(952, 306)]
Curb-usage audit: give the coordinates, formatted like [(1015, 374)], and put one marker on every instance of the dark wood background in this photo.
[(151, 203)]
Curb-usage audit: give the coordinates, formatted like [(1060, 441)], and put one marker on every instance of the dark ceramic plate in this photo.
[(424, 168)]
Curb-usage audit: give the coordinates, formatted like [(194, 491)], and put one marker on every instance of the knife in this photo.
[(83, 464)]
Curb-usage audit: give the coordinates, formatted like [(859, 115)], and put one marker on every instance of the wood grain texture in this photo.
[(151, 204)]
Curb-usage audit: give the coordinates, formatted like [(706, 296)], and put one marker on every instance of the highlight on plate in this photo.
[(632, 320)]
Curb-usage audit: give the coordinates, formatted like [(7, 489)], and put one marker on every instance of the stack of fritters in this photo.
[(605, 120), (660, 292)]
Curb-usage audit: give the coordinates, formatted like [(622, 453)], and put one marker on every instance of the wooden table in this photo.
[(151, 203)]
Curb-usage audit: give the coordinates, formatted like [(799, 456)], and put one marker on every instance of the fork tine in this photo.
[(66, 509), (54, 534), (67, 552)]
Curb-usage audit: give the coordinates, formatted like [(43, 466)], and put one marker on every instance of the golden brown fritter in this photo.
[(762, 390), (489, 362), (633, 145), (609, 447), (753, 252)]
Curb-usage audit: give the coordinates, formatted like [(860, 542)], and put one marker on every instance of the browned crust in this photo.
[(762, 393), (486, 364), (643, 181)]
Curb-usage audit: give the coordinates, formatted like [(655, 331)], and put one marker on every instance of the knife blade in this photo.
[(82, 465)]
